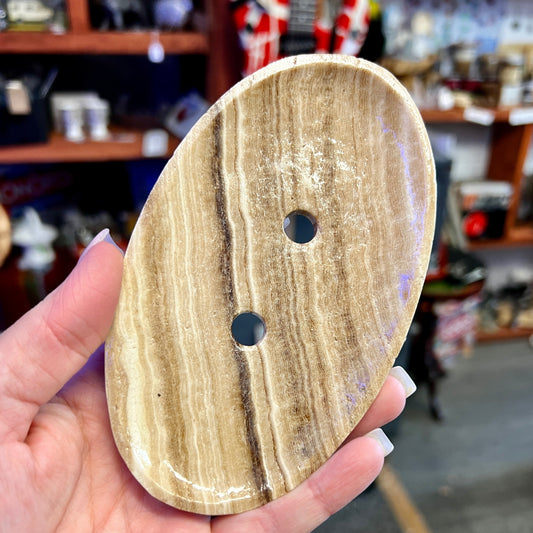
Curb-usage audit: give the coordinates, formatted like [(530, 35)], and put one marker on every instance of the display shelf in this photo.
[(485, 116), (457, 115), (510, 143), (96, 42), (503, 334), (217, 44), (82, 39), (517, 236), (124, 144)]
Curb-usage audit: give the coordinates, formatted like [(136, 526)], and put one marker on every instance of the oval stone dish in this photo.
[(213, 420)]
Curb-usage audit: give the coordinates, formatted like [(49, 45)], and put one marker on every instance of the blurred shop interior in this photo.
[(95, 95)]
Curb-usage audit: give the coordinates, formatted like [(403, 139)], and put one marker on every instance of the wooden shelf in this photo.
[(518, 236), (510, 143), (503, 334), (457, 115), (95, 42), (125, 144)]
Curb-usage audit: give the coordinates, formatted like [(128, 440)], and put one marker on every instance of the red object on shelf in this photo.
[(475, 224)]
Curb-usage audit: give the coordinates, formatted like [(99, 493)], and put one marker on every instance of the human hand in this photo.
[(59, 467)]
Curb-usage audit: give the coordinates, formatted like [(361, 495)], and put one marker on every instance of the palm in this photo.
[(69, 456), (60, 469)]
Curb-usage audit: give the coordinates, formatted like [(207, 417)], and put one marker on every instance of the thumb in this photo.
[(48, 345)]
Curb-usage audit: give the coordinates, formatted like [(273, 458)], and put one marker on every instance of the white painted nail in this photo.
[(379, 435), (104, 235), (405, 379)]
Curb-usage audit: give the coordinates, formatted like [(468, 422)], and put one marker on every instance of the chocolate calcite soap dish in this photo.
[(214, 421)]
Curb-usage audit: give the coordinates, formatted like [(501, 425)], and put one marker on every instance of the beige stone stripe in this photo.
[(408, 516)]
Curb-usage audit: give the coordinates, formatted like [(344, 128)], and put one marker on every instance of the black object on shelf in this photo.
[(118, 15), (24, 115)]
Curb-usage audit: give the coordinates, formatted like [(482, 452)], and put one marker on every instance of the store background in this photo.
[(472, 470)]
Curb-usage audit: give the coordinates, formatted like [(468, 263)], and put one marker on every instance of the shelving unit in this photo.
[(507, 157), (123, 145), (217, 44), (509, 147)]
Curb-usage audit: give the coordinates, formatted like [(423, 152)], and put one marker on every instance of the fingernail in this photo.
[(405, 379), (104, 235), (385, 443)]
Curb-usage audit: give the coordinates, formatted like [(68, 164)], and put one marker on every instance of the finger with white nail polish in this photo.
[(405, 379), (379, 436), (104, 235)]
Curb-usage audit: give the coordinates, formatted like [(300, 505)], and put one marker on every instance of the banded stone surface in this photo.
[(212, 426)]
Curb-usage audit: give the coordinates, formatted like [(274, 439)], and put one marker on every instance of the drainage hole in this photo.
[(248, 328), (300, 226)]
